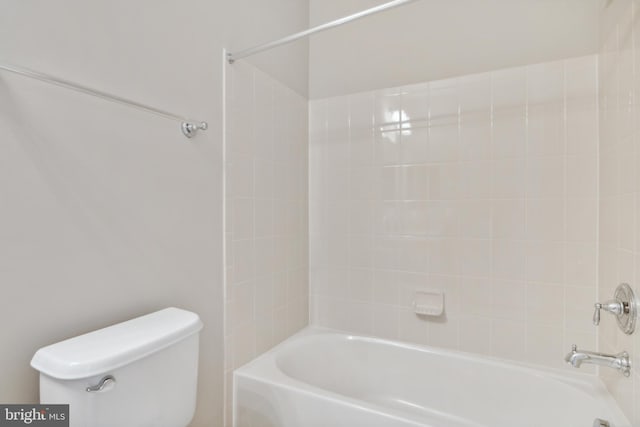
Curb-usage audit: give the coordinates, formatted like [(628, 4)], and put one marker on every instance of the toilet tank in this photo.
[(152, 359)]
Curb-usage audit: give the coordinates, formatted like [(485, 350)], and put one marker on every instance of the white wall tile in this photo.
[(475, 218), (509, 259), (579, 308), (545, 219), (480, 186), (385, 321), (508, 178), (509, 132), (509, 299), (475, 296), (545, 177), (582, 175), (545, 303), (360, 285), (263, 176), (545, 344), (475, 179), (444, 333), (411, 327), (263, 218), (581, 215), (475, 335), (444, 181), (508, 219), (444, 141), (474, 257), (545, 128), (385, 287), (508, 340), (618, 205), (582, 129), (475, 136), (545, 261), (242, 211), (266, 196), (416, 145)]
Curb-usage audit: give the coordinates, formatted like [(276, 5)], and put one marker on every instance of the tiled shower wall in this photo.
[(483, 187), (620, 186), (266, 245)]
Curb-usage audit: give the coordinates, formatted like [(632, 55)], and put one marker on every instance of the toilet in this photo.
[(139, 373)]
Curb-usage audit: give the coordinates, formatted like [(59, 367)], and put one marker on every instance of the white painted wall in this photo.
[(107, 213), (434, 39), (258, 22)]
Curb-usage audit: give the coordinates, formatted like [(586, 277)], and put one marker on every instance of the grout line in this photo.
[(526, 206), (225, 248), (565, 218), (598, 196), (493, 204)]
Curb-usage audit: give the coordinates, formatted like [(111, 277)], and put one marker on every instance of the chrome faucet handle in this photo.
[(596, 314), (623, 306), (616, 307)]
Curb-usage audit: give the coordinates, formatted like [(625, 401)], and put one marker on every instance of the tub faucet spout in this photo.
[(618, 361)]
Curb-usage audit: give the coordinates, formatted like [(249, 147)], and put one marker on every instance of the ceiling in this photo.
[(434, 39)]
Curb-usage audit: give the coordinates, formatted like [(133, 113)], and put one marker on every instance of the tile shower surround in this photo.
[(484, 187), (266, 287), (619, 238)]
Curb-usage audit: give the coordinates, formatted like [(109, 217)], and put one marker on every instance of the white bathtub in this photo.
[(327, 379)]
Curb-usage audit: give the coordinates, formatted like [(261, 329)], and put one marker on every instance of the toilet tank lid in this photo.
[(106, 349)]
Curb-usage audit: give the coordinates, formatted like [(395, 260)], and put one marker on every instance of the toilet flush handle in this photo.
[(105, 384)]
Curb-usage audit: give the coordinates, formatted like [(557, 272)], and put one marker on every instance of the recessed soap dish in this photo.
[(428, 302)]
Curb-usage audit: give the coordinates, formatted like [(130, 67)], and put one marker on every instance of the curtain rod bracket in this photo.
[(189, 129)]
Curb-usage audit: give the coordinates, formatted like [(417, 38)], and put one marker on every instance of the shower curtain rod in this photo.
[(188, 127), (232, 57)]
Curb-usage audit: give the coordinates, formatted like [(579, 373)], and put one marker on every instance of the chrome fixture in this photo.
[(623, 306), (188, 127), (619, 361), (105, 384), (600, 423), (232, 57)]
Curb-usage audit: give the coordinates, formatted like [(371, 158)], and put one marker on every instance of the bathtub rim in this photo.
[(309, 331), (265, 369)]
